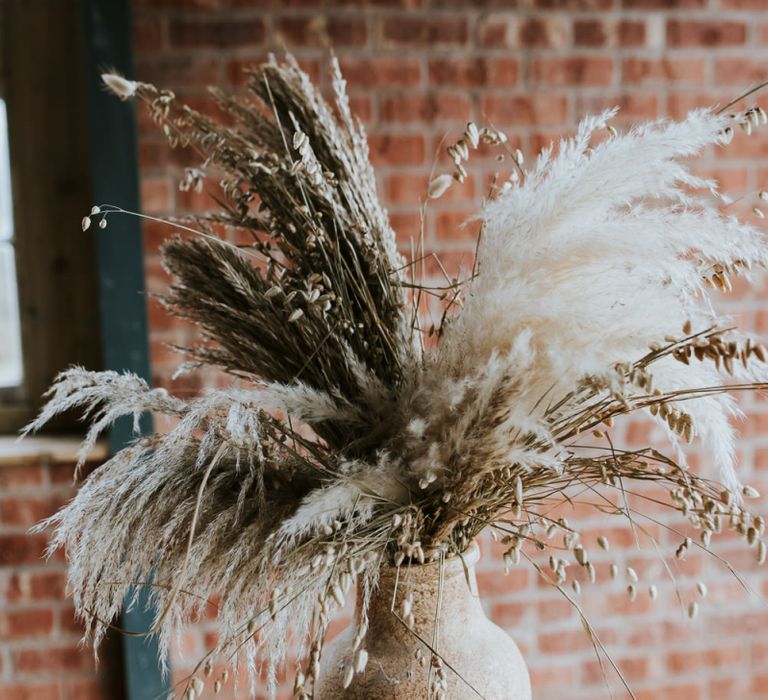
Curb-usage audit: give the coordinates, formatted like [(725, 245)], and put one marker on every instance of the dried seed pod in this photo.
[(361, 660), (349, 672), (472, 134), (751, 535), (591, 572), (439, 186), (693, 609), (762, 549), (750, 492), (580, 554), (518, 490)]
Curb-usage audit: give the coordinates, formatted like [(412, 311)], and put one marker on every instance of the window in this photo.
[(11, 368), (49, 313)]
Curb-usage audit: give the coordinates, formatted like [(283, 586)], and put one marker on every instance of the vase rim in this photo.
[(454, 563)]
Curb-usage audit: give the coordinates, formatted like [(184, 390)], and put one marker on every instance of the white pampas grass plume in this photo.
[(120, 86), (599, 253)]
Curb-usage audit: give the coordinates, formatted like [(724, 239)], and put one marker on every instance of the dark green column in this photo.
[(107, 38)]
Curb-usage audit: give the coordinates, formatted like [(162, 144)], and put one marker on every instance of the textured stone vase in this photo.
[(479, 651)]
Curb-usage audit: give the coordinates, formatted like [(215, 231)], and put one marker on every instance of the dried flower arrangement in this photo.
[(348, 443)]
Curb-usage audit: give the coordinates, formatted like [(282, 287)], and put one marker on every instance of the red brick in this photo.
[(216, 33), (407, 224), (157, 195), (426, 108), (87, 689), (662, 4), (406, 188), (633, 670), (68, 622), (589, 33), (573, 4), (508, 110), (30, 691), (399, 71), (563, 641), (35, 622), (175, 71), (434, 30), (24, 476), (598, 33), (237, 71), (27, 511), (181, 4), (538, 32), (26, 586), (397, 149), (575, 70), (693, 33), (494, 584), (663, 71), (455, 224), (688, 691), (633, 106), (508, 615), (362, 107), (739, 70), (553, 676), (680, 103), (148, 33), (61, 659), (322, 30), (21, 549), (474, 72)]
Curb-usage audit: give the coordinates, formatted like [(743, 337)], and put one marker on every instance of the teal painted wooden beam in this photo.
[(107, 33)]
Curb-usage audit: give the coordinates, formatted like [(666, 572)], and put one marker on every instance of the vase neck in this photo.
[(445, 592)]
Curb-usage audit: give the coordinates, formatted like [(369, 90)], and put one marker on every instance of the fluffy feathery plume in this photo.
[(604, 251)]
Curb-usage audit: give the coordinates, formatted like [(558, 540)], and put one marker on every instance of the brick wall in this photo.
[(417, 70), (40, 653)]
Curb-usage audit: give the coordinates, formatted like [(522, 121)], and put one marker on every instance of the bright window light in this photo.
[(11, 367)]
